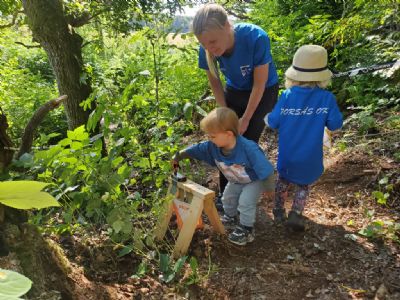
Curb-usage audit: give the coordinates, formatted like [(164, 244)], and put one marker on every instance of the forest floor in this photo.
[(329, 260)]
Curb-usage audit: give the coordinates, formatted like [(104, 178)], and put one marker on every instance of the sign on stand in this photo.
[(190, 200)]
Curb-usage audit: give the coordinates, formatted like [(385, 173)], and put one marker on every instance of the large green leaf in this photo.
[(13, 285), (25, 195)]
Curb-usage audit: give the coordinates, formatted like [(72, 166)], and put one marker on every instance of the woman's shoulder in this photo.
[(248, 30)]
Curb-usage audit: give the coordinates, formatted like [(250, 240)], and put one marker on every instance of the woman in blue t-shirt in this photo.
[(242, 53)]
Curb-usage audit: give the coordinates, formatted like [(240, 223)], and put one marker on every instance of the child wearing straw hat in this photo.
[(304, 109)]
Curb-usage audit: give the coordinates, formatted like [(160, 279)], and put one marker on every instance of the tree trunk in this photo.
[(49, 26), (6, 154)]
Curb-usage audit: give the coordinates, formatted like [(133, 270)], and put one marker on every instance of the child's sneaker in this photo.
[(228, 222), (279, 215), (241, 236), (295, 221)]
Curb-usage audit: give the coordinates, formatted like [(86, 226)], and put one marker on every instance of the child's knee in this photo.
[(269, 184)]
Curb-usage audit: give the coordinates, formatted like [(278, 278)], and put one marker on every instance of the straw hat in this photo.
[(310, 63)]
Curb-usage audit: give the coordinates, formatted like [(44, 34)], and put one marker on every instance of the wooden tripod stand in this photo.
[(200, 198)]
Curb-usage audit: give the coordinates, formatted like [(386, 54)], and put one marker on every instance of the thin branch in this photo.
[(83, 19), (28, 46), (239, 16), (14, 19), (86, 43), (232, 13), (38, 116)]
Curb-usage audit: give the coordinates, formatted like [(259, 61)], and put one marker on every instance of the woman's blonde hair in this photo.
[(209, 17), (321, 84), (220, 119)]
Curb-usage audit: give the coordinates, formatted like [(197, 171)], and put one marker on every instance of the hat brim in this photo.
[(308, 76)]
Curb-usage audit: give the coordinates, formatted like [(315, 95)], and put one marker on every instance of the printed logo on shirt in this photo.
[(245, 70), (304, 111), (234, 173)]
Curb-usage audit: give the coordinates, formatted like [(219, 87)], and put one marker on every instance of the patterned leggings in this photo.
[(282, 191)]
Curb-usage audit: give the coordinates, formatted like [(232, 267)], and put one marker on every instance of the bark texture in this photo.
[(27, 138), (6, 154), (48, 22)]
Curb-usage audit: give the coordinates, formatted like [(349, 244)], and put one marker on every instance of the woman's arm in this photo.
[(259, 81), (217, 89)]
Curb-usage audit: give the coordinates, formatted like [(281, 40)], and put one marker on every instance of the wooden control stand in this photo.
[(200, 198)]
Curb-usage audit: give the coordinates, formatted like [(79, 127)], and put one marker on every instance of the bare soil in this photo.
[(329, 260)]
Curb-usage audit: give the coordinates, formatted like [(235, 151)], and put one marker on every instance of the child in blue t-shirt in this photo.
[(301, 114), (242, 162)]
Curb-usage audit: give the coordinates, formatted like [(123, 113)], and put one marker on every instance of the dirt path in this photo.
[(328, 260)]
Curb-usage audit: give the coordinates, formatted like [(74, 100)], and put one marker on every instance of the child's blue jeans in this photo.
[(243, 198)]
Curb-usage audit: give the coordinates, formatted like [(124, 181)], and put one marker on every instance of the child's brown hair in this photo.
[(220, 119)]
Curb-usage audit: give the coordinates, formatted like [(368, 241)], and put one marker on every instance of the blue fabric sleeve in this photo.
[(201, 151), (262, 49), (260, 164), (273, 118), (335, 118), (202, 59)]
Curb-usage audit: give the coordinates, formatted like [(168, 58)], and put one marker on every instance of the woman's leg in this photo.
[(267, 103), (237, 101), (222, 183)]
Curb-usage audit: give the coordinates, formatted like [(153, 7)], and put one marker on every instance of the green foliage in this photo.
[(26, 84), (170, 269), (13, 285), (383, 194), (147, 88), (355, 33), (381, 229), (194, 276), (25, 195), (145, 106), (367, 122), (9, 7), (141, 270), (88, 182)]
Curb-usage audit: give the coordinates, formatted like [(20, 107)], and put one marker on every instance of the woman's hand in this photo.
[(243, 124)]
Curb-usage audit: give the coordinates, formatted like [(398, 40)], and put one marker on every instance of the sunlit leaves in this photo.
[(13, 285), (79, 134), (25, 195)]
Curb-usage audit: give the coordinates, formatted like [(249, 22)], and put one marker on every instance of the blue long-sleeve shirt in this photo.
[(245, 163), (300, 115)]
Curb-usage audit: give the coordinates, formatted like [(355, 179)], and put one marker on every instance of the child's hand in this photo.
[(174, 165), (175, 162)]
